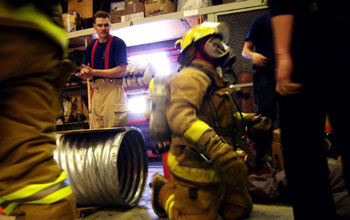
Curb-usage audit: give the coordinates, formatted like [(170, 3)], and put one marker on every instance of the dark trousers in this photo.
[(265, 97), (302, 118)]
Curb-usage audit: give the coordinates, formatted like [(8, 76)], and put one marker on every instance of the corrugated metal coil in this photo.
[(106, 167)]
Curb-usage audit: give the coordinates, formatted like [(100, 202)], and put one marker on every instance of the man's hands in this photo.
[(258, 59), (85, 72), (284, 85)]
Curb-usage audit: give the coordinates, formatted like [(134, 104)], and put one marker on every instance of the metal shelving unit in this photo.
[(170, 26)]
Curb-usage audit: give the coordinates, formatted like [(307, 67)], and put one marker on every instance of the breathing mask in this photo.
[(215, 48)]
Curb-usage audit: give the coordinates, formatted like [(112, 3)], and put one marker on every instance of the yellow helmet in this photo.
[(199, 32), (178, 44)]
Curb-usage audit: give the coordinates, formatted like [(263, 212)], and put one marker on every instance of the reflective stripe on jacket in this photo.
[(193, 174), (45, 193)]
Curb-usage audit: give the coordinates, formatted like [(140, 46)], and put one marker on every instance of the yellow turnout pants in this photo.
[(108, 104), (188, 201), (31, 75)]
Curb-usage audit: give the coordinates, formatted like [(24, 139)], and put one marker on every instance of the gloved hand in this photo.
[(260, 128), (225, 160)]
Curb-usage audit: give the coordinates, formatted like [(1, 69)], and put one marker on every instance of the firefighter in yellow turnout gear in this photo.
[(209, 179), (32, 72)]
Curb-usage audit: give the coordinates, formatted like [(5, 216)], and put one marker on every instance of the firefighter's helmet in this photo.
[(199, 32)]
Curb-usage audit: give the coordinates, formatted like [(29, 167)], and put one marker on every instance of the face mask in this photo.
[(215, 48), (218, 50)]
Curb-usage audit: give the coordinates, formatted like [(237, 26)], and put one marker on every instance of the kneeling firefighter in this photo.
[(209, 179)]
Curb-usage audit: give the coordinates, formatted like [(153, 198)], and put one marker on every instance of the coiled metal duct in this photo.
[(106, 167)]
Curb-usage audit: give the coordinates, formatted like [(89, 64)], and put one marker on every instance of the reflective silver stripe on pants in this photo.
[(39, 195)]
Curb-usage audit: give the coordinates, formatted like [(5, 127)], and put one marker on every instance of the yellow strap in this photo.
[(191, 173), (238, 116), (196, 130), (150, 86), (169, 205)]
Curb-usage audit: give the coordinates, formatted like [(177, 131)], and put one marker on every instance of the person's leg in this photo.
[(337, 90), (266, 100), (115, 109), (265, 94), (31, 76), (182, 201), (236, 204), (95, 119), (302, 128)]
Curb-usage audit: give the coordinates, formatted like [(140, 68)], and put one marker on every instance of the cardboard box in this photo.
[(158, 7), (133, 17), (86, 8), (116, 16), (69, 22), (133, 7), (184, 5), (117, 6)]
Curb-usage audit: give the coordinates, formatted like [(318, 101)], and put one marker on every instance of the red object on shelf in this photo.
[(138, 122), (2, 210), (166, 169)]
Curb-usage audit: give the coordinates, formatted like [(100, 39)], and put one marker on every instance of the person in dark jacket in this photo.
[(310, 77), (258, 48)]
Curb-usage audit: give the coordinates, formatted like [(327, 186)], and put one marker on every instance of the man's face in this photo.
[(102, 27)]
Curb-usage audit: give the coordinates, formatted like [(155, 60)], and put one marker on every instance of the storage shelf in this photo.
[(168, 26)]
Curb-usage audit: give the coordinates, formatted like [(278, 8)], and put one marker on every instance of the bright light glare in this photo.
[(137, 104), (149, 32), (158, 60), (210, 24)]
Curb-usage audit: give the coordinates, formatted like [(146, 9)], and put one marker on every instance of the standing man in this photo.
[(258, 48), (311, 74), (105, 64), (33, 70)]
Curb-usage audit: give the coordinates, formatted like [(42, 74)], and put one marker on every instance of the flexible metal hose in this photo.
[(106, 167)]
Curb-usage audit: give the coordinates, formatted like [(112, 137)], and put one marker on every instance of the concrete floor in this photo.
[(144, 209)]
